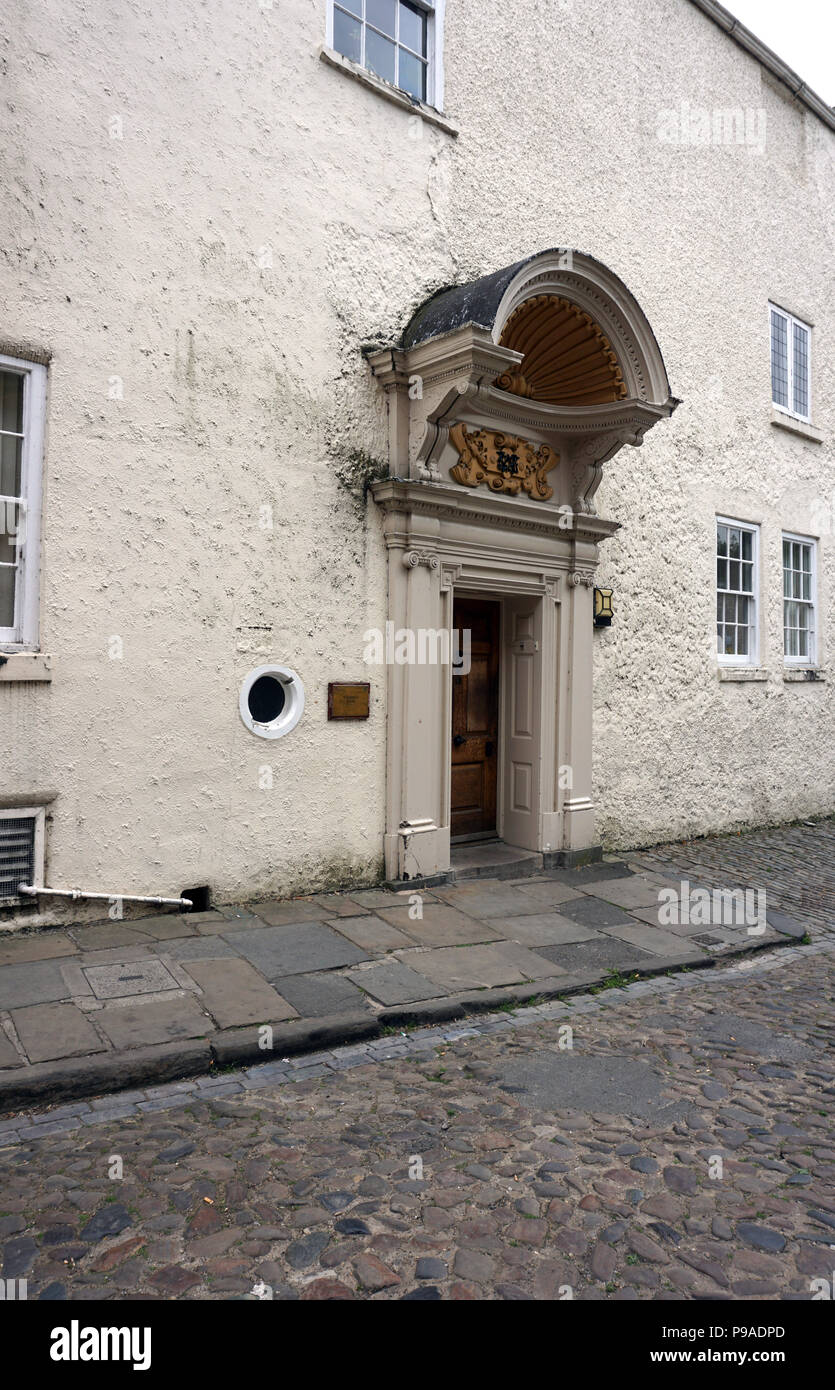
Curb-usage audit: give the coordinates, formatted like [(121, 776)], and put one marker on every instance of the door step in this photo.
[(493, 859)]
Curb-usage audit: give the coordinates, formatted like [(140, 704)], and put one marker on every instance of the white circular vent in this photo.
[(271, 701)]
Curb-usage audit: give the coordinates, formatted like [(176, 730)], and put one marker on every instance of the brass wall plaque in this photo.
[(349, 699)]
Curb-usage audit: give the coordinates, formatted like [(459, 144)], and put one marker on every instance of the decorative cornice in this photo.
[(466, 354), (445, 502)]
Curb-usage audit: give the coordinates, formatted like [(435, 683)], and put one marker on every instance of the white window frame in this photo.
[(23, 635), (38, 849), (753, 656), (812, 658), (791, 320), (434, 11)]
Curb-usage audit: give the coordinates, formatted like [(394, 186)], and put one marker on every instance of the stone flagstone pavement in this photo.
[(98, 1006)]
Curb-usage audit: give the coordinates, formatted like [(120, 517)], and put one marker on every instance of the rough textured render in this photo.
[(204, 224)]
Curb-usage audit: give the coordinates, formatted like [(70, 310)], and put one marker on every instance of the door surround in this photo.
[(491, 495), (439, 547)]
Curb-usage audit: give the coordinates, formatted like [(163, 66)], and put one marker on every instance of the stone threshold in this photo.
[(98, 1075)]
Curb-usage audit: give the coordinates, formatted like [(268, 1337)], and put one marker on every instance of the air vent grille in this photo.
[(17, 854)]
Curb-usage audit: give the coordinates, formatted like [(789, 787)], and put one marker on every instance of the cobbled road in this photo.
[(670, 1140)]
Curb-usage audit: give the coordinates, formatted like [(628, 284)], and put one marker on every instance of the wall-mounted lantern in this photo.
[(603, 608)]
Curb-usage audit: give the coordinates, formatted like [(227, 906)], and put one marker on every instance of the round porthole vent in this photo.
[(272, 701)]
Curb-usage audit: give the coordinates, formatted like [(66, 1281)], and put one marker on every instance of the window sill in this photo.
[(809, 675), (742, 673), (385, 90), (801, 427), (25, 666)]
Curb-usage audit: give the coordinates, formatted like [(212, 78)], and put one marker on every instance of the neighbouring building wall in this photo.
[(204, 224)]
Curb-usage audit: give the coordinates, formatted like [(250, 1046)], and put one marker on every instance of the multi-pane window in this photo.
[(391, 38), (22, 392), (798, 599), (790, 363), (736, 591)]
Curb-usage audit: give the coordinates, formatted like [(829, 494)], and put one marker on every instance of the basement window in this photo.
[(21, 851), (271, 701)]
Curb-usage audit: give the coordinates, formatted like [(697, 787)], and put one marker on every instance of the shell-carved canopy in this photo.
[(568, 360), (585, 340)]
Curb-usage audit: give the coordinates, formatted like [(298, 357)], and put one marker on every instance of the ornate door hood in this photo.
[(524, 383)]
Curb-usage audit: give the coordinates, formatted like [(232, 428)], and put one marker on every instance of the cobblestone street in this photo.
[(670, 1139), (548, 1171)]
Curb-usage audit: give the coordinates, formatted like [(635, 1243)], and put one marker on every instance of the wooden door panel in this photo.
[(475, 721), (522, 728)]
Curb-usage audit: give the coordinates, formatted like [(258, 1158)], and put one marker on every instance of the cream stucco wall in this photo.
[(147, 257)]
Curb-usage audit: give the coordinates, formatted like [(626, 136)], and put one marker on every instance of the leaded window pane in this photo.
[(779, 359)]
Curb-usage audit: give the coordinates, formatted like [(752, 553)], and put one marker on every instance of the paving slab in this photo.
[(473, 967), (113, 956), (440, 925), (140, 1025), (220, 925), (489, 898), (239, 915), (168, 927), (338, 905), (545, 929), (371, 933), (198, 948), (317, 996), (295, 949), (48, 1031), (35, 982), (590, 873), (652, 939), (394, 982), (785, 925), (106, 935), (625, 892), (548, 892), (594, 912), (44, 945), (8, 1053), (600, 952), (125, 980), (280, 914), (234, 993), (373, 898)]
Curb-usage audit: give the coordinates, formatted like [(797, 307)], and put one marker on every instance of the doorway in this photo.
[(475, 722)]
